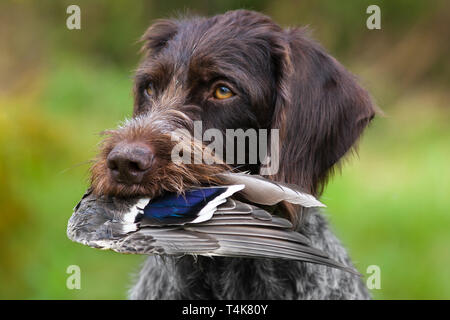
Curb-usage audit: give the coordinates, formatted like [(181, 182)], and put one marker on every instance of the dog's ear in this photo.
[(157, 35), (153, 41), (320, 112)]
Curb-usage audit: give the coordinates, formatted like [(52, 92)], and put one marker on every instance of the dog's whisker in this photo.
[(76, 165)]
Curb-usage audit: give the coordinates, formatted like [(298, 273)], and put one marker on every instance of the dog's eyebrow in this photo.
[(145, 75), (211, 72), (141, 76), (143, 71), (157, 71)]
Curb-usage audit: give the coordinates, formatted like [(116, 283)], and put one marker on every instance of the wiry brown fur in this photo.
[(281, 80), (166, 175)]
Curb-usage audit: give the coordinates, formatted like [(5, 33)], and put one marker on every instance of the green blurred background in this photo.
[(60, 88)]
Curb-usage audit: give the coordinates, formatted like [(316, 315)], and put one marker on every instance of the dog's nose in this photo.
[(128, 162)]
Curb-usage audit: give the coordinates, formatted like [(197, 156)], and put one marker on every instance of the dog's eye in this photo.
[(223, 92), (149, 90)]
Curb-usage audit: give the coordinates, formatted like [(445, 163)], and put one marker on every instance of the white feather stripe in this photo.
[(207, 211), (263, 191), (138, 208)]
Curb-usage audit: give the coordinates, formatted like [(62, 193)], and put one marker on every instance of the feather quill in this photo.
[(260, 190)]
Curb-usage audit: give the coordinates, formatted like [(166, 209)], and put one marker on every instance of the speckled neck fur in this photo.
[(239, 278)]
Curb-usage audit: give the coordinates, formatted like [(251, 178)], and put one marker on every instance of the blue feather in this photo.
[(172, 208)]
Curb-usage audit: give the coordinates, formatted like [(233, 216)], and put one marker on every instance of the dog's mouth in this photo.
[(146, 162), (162, 176), (144, 158)]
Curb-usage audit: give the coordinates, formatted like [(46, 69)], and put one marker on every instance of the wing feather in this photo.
[(263, 191), (236, 229)]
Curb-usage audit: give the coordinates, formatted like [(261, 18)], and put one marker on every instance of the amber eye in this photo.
[(223, 92), (149, 90)]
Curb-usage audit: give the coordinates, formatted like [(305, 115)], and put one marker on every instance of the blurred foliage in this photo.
[(59, 88)]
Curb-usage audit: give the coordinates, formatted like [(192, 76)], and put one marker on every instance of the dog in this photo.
[(238, 70)]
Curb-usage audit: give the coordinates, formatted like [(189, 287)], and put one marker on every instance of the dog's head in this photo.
[(238, 70)]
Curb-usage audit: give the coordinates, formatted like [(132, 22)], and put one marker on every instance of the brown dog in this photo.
[(238, 70)]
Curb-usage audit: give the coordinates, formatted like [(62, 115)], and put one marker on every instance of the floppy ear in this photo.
[(320, 112), (154, 40), (157, 35)]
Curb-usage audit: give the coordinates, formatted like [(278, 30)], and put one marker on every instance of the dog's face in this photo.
[(223, 66), (238, 70)]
